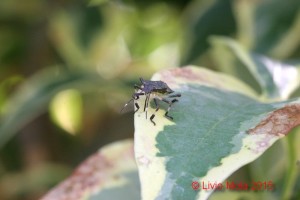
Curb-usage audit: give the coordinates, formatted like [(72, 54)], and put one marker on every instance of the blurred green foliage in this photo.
[(99, 48)]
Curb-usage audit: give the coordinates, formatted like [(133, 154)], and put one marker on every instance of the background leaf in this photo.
[(276, 79), (217, 128), (213, 18), (32, 99), (110, 173), (280, 17), (100, 43), (66, 110)]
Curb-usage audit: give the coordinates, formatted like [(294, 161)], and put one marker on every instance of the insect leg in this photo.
[(146, 104), (170, 104), (157, 108), (174, 95), (137, 107), (137, 87), (135, 96)]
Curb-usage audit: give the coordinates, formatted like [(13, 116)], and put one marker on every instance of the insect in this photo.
[(155, 90)]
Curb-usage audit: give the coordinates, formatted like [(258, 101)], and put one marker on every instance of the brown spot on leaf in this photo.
[(279, 122), (186, 73), (190, 74), (90, 176), (85, 178)]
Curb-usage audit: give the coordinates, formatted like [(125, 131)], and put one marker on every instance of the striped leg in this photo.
[(170, 104), (135, 96), (146, 104), (157, 108)]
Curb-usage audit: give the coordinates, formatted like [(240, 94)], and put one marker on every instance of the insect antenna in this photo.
[(142, 80), (126, 105)]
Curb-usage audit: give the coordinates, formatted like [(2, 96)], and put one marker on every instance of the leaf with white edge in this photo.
[(110, 173), (285, 77), (219, 126), (277, 80)]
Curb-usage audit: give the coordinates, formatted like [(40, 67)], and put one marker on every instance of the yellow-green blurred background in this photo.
[(67, 68)]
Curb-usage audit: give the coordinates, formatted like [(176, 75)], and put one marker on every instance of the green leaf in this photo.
[(5, 86), (32, 98), (269, 27), (219, 125), (277, 80), (275, 21), (208, 14), (33, 180), (110, 173), (97, 2)]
